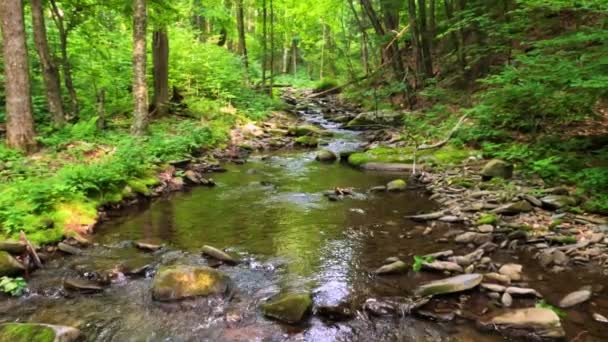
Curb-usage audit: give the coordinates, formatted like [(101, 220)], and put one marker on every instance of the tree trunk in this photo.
[(140, 89), (373, 17), (65, 60), (391, 9), (432, 23), (411, 11), (427, 58), (19, 119), (323, 53), (101, 109), (364, 51), (294, 56), (271, 47), (240, 20), (285, 64), (198, 21), (264, 42), (50, 73), (160, 59)]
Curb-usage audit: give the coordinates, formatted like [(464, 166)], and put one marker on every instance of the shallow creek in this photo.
[(272, 213)]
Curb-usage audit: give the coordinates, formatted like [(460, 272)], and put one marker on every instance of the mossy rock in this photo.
[(497, 168), (380, 117), (396, 185), (307, 141), (444, 156), (487, 219), (303, 130), (139, 186), (181, 281), (326, 156), (9, 266), (32, 332), (289, 308), (12, 246)]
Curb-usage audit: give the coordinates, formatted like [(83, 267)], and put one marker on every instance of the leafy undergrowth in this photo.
[(59, 189)]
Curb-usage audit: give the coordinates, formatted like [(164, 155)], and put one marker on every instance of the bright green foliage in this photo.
[(419, 260), (544, 305), (13, 286), (445, 155), (487, 219)]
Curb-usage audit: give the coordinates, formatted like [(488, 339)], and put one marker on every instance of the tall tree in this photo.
[(264, 41), (140, 89), (411, 12), (271, 48), (240, 20), (50, 73), (64, 31), (160, 61), (20, 124), (425, 40)]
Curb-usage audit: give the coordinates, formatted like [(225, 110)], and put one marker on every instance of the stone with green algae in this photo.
[(178, 282), (289, 308), (9, 266), (29, 332)]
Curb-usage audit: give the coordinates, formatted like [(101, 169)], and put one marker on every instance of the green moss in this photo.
[(307, 141), (487, 219), (299, 131), (289, 308), (462, 181), (555, 223), (46, 236), (139, 186), (25, 332), (445, 155), (565, 239)]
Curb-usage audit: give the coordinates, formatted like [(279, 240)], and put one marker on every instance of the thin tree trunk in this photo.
[(271, 47), (65, 60), (264, 42), (294, 56), (140, 89), (411, 6), (160, 60), (240, 19), (101, 109), (432, 23), (323, 53), (427, 58), (364, 51), (285, 64), (19, 119), (391, 11), (199, 21), (50, 73), (373, 17)]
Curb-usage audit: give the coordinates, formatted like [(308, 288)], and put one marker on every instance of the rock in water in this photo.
[(497, 168), (289, 308), (442, 266), (82, 285), (575, 298), (12, 246), (379, 117), (396, 185), (394, 267), (150, 245), (219, 255), (69, 249), (513, 271), (558, 201), (183, 281), (30, 332), (9, 266), (543, 323), (449, 285), (326, 156)]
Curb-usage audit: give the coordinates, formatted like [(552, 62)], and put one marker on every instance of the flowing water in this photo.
[(270, 212)]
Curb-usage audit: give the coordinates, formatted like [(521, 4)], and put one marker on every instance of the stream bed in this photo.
[(272, 213)]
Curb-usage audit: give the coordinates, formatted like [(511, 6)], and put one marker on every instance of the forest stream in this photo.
[(272, 213)]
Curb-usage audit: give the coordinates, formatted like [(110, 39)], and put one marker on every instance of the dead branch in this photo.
[(30, 249), (444, 141)]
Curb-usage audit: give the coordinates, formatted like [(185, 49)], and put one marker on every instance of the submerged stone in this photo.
[(150, 245), (540, 322), (9, 266), (82, 285), (497, 168), (449, 285), (289, 308), (396, 185), (34, 332), (397, 266), (183, 281), (575, 298), (326, 156), (307, 141), (219, 255)]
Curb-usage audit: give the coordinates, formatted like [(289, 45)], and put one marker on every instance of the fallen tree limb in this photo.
[(444, 141), (30, 249)]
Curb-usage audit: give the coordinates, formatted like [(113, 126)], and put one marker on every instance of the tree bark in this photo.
[(50, 73), (19, 119), (294, 56), (364, 51), (160, 59), (198, 21), (264, 42), (140, 89), (432, 23), (240, 20), (271, 47), (391, 10), (427, 58), (411, 12), (65, 60)]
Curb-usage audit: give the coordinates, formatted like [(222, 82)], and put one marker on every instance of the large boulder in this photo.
[(326, 156), (540, 322), (289, 308), (396, 185), (449, 285), (9, 266), (29, 332), (497, 168), (379, 117), (181, 281)]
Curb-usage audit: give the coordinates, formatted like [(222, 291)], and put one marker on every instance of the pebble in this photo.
[(507, 300), (575, 298), (600, 318)]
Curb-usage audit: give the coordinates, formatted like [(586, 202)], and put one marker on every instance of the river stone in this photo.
[(493, 287), (575, 298), (506, 300), (299, 131), (69, 249), (543, 323), (9, 266), (382, 117), (289, 308), (522, 291), (150, 245), (81, 285), (558, 201), (12, 246), (473, 237), (326, 156), (497, 168), (182, 281), (514, 208), (501, 278), (394, 267), (599, 318), (219, 255), (513, 271), (443, 266), (486, 228), (34, 332), (396, 185), (449, 285)]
